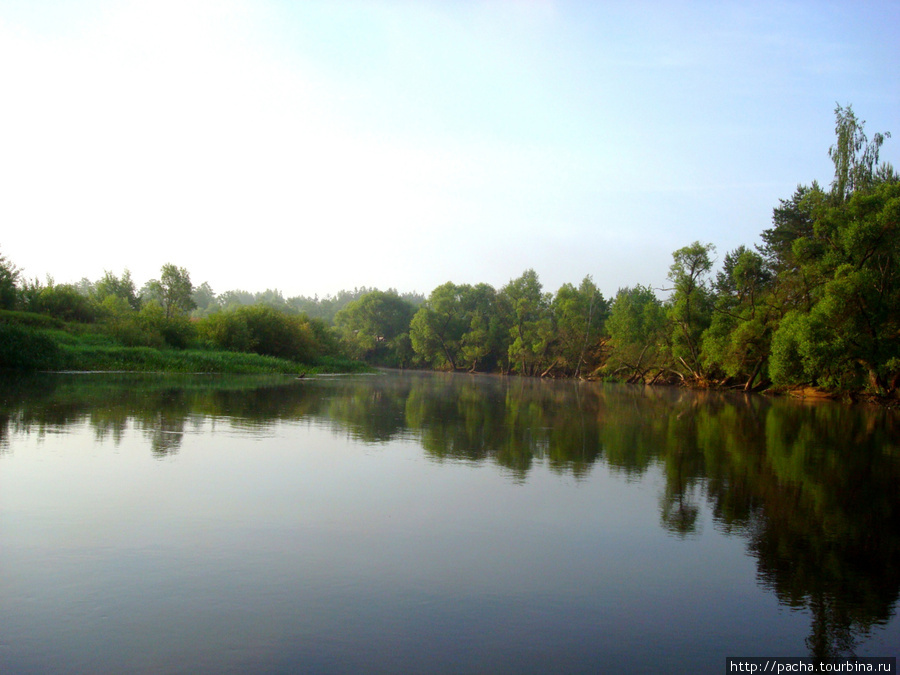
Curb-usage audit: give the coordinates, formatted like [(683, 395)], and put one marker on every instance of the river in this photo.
[(420, 522)]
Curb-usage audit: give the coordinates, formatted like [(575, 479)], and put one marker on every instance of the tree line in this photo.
[(166, 313), (817, 303)]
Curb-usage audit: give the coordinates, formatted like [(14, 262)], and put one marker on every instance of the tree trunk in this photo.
[(876, 384), (759, 365), (447, 354), (546, 372), (587, 335)]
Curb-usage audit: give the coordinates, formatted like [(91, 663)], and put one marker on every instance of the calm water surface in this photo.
[(435, 523)]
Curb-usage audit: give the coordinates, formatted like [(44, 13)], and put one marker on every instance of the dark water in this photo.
[(429, 523)]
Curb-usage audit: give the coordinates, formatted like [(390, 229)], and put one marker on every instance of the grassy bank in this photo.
[(27, 343)]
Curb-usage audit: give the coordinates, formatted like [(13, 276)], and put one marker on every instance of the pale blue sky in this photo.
[(315, 146)]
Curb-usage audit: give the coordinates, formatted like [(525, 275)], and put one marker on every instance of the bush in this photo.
[(65, 302), (23, 348), (150, 328), (264, 330), (178, 332), (226, 330)]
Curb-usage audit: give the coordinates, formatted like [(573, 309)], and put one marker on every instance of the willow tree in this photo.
[(531, 324), (690, 308), (737, 340), (580, 314), (847, 334), (375, 328), (855, 158), (637, 327), (485, 342), (438, 327), (851, 335)]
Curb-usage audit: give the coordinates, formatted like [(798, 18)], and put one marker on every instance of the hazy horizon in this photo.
[(316, 147)]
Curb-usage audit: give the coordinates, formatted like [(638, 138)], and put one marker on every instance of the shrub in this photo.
[(150, 328), (23, 348), (264, 330), (64, 302)]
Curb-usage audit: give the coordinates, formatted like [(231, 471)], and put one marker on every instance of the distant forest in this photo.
[(816, 304)]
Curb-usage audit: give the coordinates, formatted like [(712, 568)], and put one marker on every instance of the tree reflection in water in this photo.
[(811, 487)]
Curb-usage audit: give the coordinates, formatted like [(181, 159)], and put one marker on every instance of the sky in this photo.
[(312, 146)]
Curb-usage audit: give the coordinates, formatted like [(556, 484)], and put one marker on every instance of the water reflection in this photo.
[(811, 488)]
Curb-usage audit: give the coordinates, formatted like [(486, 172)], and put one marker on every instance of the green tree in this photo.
[(439, 325), (271, 297), (111, 285), (459, 326), (580, 314), (236, 298), (844, 332), (789, 246), (327, 308), (855, 158), (173, 290), (205, 299), (29, 293), (737, 340), (851, 335), (637, 327), (375, 328), (531, 322), (691, 305), (9, 279), (485, 342)]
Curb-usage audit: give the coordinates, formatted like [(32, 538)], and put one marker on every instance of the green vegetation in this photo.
[(375, 328), (637, 327), (108, 326), (817, 304), (24, 346), (457, 327), (263, 330)]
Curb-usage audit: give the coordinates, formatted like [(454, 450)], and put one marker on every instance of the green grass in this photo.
[(27, 342), (146, 359), (30, 319), (25, 348)]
